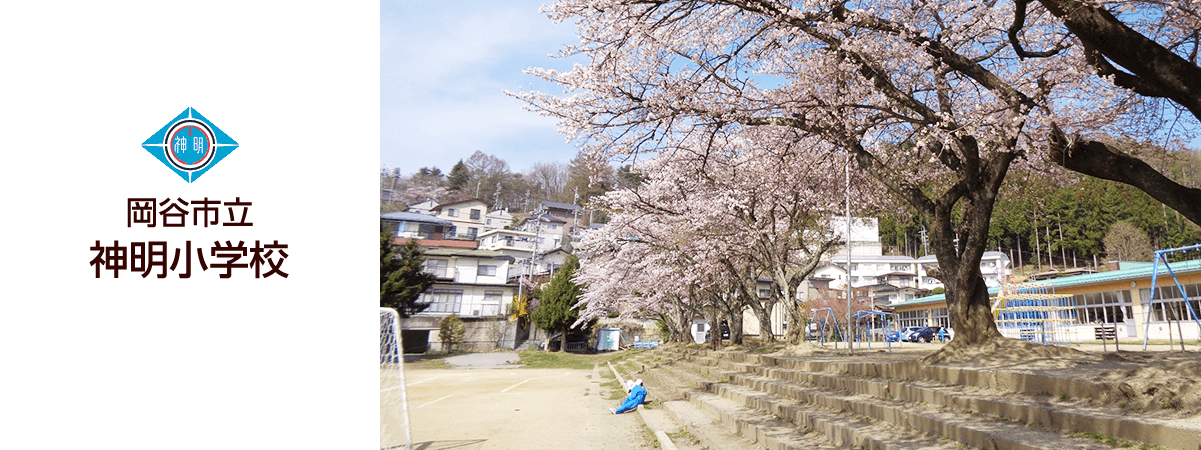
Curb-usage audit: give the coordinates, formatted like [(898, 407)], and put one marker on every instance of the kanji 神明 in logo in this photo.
[(190, 145)]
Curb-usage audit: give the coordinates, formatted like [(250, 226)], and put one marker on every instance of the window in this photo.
[(493, 296), (487, 271), (436, 267), (472, 232), (443, 300), (489, 221), (475, 214), (764, 293), (1104, 307), (452, 212), (1169, 302)]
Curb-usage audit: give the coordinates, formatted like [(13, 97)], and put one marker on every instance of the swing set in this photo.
[(825, 321), (1169, 309), (871, 317)]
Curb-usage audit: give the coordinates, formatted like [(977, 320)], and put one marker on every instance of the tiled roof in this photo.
[(413, 217), (471, 253), (557, 205), (1124, 274)]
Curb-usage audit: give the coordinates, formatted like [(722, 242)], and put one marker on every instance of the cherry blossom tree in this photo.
[(719, 217), (928, 98)]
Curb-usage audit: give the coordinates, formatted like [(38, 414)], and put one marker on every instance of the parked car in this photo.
[(926, 334), (905, 332)]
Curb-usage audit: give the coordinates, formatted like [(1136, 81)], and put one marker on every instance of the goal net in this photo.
[(393, 404)]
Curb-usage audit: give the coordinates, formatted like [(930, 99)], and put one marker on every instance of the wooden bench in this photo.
[(1105, 333)]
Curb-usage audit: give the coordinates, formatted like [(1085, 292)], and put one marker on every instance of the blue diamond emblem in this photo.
[(190, 145)]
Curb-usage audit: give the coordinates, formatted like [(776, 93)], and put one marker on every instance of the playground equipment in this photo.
[(1162, 255), (1034, 312), (825, 321), (871, 317)]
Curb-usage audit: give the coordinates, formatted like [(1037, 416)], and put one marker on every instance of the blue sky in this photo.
[(443, 66)]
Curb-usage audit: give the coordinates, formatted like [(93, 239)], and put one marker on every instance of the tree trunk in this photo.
[(713, 337), (563, 340), (735, 323), (959, 266), (763, 313)]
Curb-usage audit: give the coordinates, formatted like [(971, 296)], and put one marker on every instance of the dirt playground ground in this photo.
[(475, 409), (515, 408)]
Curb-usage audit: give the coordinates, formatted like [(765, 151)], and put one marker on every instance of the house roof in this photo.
[(1125, 274), (557, 205), (896, 274), (413, 217), (545, 218), (460, 202), (1135, 273), (465, 252), (428, 204)]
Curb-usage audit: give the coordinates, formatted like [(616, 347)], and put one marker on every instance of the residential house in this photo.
[(994, 266), (566, 212), (474, 285), (549, 229), (468, 217), (866, 270), (411, 225), (426, 207), (497, 219)]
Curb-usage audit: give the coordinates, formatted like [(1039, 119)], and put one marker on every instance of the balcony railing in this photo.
[(442, 274)]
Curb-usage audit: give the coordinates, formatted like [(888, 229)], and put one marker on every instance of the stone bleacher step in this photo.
[(1018, 408), (803, 405), (824, 430)]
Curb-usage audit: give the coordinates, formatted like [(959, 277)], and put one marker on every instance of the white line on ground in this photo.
[(435, 401), (515, 385), (422, 381)]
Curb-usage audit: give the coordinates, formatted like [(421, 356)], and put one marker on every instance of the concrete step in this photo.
[(1025, 398), (1033, 410), (807, 428), (800, 403), (705, 427)]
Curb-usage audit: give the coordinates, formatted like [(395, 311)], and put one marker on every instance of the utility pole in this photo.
[(925, 242), (850, 287), (576, 202)]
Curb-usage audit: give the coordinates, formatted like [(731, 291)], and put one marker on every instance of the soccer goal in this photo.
[(393, 402)]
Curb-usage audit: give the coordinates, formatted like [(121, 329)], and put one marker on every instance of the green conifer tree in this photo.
[(401, 278), (556, 301)]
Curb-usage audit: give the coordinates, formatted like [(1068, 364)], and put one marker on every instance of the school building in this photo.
[(1119, 298)]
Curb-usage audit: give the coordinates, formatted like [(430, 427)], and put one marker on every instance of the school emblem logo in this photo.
[(190, 145)]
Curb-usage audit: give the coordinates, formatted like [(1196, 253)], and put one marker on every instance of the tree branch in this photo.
[(1099, 160)]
